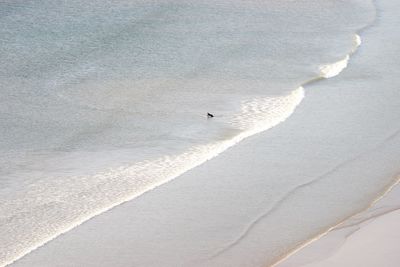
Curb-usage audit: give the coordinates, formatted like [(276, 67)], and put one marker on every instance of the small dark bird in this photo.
[(209, 115)]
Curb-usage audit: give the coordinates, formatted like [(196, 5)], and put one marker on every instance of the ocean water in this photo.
[(102, 101)]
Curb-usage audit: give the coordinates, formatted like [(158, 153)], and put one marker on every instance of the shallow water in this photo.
[(101, 101)]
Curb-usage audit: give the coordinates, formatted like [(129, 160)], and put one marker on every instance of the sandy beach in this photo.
[(233, 209), (369, 238)]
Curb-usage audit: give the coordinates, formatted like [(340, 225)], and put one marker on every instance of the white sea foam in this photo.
[(357, 40), (105, 190), (261, 114), (333, 69)]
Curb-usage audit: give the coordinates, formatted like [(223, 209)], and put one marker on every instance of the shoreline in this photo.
[(331, 70), (297, 256), (252, 220), (330, 249), (327, 71), (210, 206)]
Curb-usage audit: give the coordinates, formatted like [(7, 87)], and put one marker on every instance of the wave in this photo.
[(106, 190), (327, 71), (332, 70)]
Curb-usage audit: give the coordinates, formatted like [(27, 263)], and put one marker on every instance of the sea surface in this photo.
[(102, 101)]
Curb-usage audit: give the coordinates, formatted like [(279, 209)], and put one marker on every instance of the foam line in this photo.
[(334, 69), (116, 186)]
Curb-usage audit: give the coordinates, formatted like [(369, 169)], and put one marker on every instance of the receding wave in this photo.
[(106, 190)]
